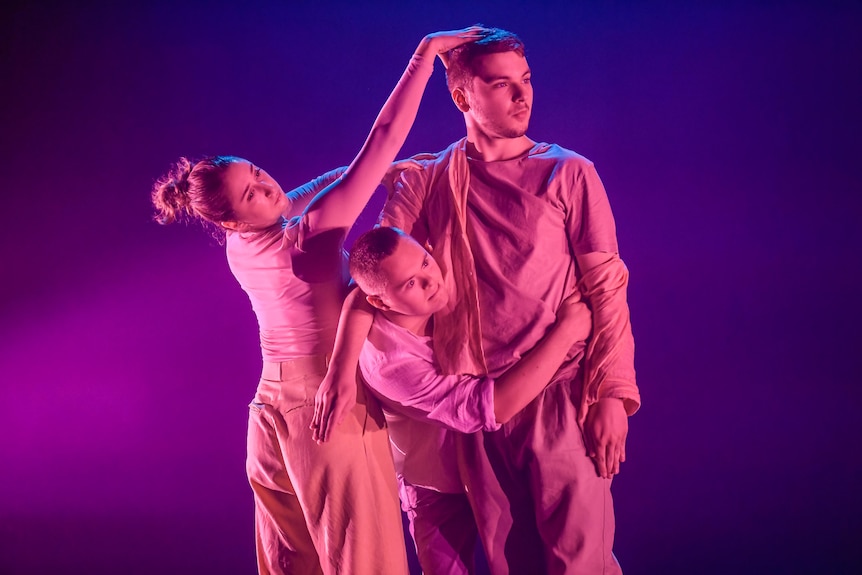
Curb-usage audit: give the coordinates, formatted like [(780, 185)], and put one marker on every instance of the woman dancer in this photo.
[(329, 508)]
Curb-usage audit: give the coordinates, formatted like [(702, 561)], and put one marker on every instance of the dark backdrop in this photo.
[(727, 135)]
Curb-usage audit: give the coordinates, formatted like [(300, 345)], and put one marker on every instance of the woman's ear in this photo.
[(230, 225)]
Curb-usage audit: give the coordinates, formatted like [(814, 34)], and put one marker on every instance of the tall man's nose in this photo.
[(517, 93)]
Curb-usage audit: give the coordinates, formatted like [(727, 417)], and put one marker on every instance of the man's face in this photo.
[(501, 95), (414, 283)]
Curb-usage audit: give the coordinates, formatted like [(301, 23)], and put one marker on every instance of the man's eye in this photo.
[(411, 283), (250, 196), (257, 173)]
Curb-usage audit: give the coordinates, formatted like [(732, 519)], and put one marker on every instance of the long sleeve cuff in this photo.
[(609, 361)]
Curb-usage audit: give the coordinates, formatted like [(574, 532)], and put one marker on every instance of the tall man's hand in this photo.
[(605, 431)]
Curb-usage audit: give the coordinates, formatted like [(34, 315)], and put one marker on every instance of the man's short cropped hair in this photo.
[(460, 69), (368, 251)]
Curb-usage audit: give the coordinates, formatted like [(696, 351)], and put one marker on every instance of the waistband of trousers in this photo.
[(283, 370)]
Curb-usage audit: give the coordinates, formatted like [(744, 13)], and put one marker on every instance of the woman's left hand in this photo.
[(441, 42), (335, 397)]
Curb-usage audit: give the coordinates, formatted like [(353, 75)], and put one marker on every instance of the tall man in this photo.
[(516, 227)]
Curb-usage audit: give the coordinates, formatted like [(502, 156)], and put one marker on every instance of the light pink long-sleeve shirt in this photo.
[(506, 235), (420, 402)]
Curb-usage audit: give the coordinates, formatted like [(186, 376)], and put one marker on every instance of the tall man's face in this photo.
[(500, 96)]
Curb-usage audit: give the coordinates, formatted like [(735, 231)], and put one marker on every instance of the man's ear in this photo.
[(460, 99), (230, 225), (376, 301)]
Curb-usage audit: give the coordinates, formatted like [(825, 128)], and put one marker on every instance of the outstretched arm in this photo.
[(300, 197), (337, 392), (409, 378), (338, 206)]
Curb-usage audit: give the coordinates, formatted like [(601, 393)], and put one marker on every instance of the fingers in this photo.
[(613, 460), (589, 443), (315, 418), (445, 41), (444, 57), (320, 421), (332, 418), (616, 454), (601, 463), (607, 455), (606, 459), (579, 309), (573, 297), (622, 446), (408, 164), (321, 434)]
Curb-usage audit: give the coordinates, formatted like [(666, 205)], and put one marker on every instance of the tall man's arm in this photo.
[(609, 380)]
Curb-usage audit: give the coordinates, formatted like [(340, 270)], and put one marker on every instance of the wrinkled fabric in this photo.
[(443, 529), (318, 508), (506, 236), (295, 278), (609, 364), (398, 367), (321, 508)]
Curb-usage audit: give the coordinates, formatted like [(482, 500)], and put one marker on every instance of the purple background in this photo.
[(727, 135)]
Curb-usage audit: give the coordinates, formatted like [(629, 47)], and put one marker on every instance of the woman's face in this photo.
[(257, 200)]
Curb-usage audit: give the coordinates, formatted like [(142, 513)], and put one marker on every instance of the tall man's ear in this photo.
[(376, 301), (460, 99)]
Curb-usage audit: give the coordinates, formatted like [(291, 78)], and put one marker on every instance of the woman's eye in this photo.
[(257, 173), (410, 283)]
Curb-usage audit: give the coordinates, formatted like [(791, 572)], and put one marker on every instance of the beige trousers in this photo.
[(330, 508)]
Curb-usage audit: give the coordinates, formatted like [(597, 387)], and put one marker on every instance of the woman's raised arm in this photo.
[(340, 204)]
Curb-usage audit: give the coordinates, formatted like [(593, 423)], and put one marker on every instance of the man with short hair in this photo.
[(405, 285), (516, 227)]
